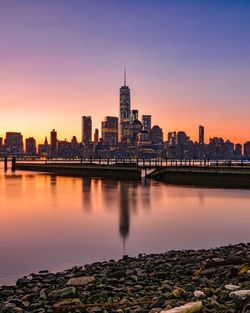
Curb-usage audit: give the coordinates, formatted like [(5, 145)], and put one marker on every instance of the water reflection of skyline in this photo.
[(55, 222), (125, 193)]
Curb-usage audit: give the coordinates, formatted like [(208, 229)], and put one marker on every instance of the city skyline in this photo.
[(188, 64), (127, 114)]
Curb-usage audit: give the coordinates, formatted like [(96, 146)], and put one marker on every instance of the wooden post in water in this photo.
[(5, 164), (13, 164)]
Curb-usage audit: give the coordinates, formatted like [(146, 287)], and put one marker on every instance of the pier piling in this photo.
[(5, 164), (13, 164)]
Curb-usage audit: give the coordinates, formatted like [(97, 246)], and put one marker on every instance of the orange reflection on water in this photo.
[(53, 222)]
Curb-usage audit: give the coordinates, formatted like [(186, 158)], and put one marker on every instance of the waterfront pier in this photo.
[(191, 172)]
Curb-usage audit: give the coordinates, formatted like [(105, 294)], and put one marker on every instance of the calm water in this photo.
[(52, 222)]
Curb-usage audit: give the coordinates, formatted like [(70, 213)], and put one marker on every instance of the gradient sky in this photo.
[(188, 63)]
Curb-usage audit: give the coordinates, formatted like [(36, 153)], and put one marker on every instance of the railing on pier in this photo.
[(137, 162)]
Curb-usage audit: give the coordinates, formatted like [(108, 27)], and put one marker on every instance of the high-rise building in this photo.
[(124, 112), (44, 149), (135, 116), (96, 136), (110, 130), (247, 149), (238, 151), (30, 146), (86, 130), (156, 135), (14, 143), (172, 138), (53, 143), (146, 122), (74, 143), (182, 138), (1, 141), (201, 135), (135, 130)]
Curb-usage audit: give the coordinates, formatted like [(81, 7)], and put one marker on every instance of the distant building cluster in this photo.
[(125, 137)]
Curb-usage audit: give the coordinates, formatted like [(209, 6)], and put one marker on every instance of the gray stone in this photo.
[(81, 281), (240, 294), (63, 293)]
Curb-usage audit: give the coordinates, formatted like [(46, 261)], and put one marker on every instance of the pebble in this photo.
[(240, 294), (191, 307), (80, 281), (174, 281), (199, 294), (232, 287)]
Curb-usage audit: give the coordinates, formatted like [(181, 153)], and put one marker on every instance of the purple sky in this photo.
[(188, 63)]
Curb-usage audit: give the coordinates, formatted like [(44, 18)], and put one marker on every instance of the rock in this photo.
[(246, 309), (117, 274), (6, 292), (218, 260), (178, 292), (147, 284), (190, 307), (67, 302), (81, 281), (240, 294), (199, 294), (42, 294), (44, 272), (158, 302), (232, 287), (23, 281), (63, 293)]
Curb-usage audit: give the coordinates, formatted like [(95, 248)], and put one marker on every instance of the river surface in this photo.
[(55, 222)]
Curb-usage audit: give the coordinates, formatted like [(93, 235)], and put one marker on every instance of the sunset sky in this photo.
[(188, 63)]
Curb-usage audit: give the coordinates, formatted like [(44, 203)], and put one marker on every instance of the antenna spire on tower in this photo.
[(124, 76)]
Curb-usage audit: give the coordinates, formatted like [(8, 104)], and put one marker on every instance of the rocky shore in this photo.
[(214, 280)]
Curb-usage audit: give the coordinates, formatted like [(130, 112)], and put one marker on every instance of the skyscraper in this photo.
[(96, 136), (135, 116), (86, 130), (30, 145), (53, 143), (124, 111), (201, 135), (146, 122), (14, 143), (110, 130)]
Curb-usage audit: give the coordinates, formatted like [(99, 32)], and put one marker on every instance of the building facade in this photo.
[(53, 143), (30, 146), (110, 130), (125, 112), (86, 130)]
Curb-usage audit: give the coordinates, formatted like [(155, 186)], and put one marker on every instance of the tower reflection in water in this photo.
[(124, 213), (122, 195), (129, 203)]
